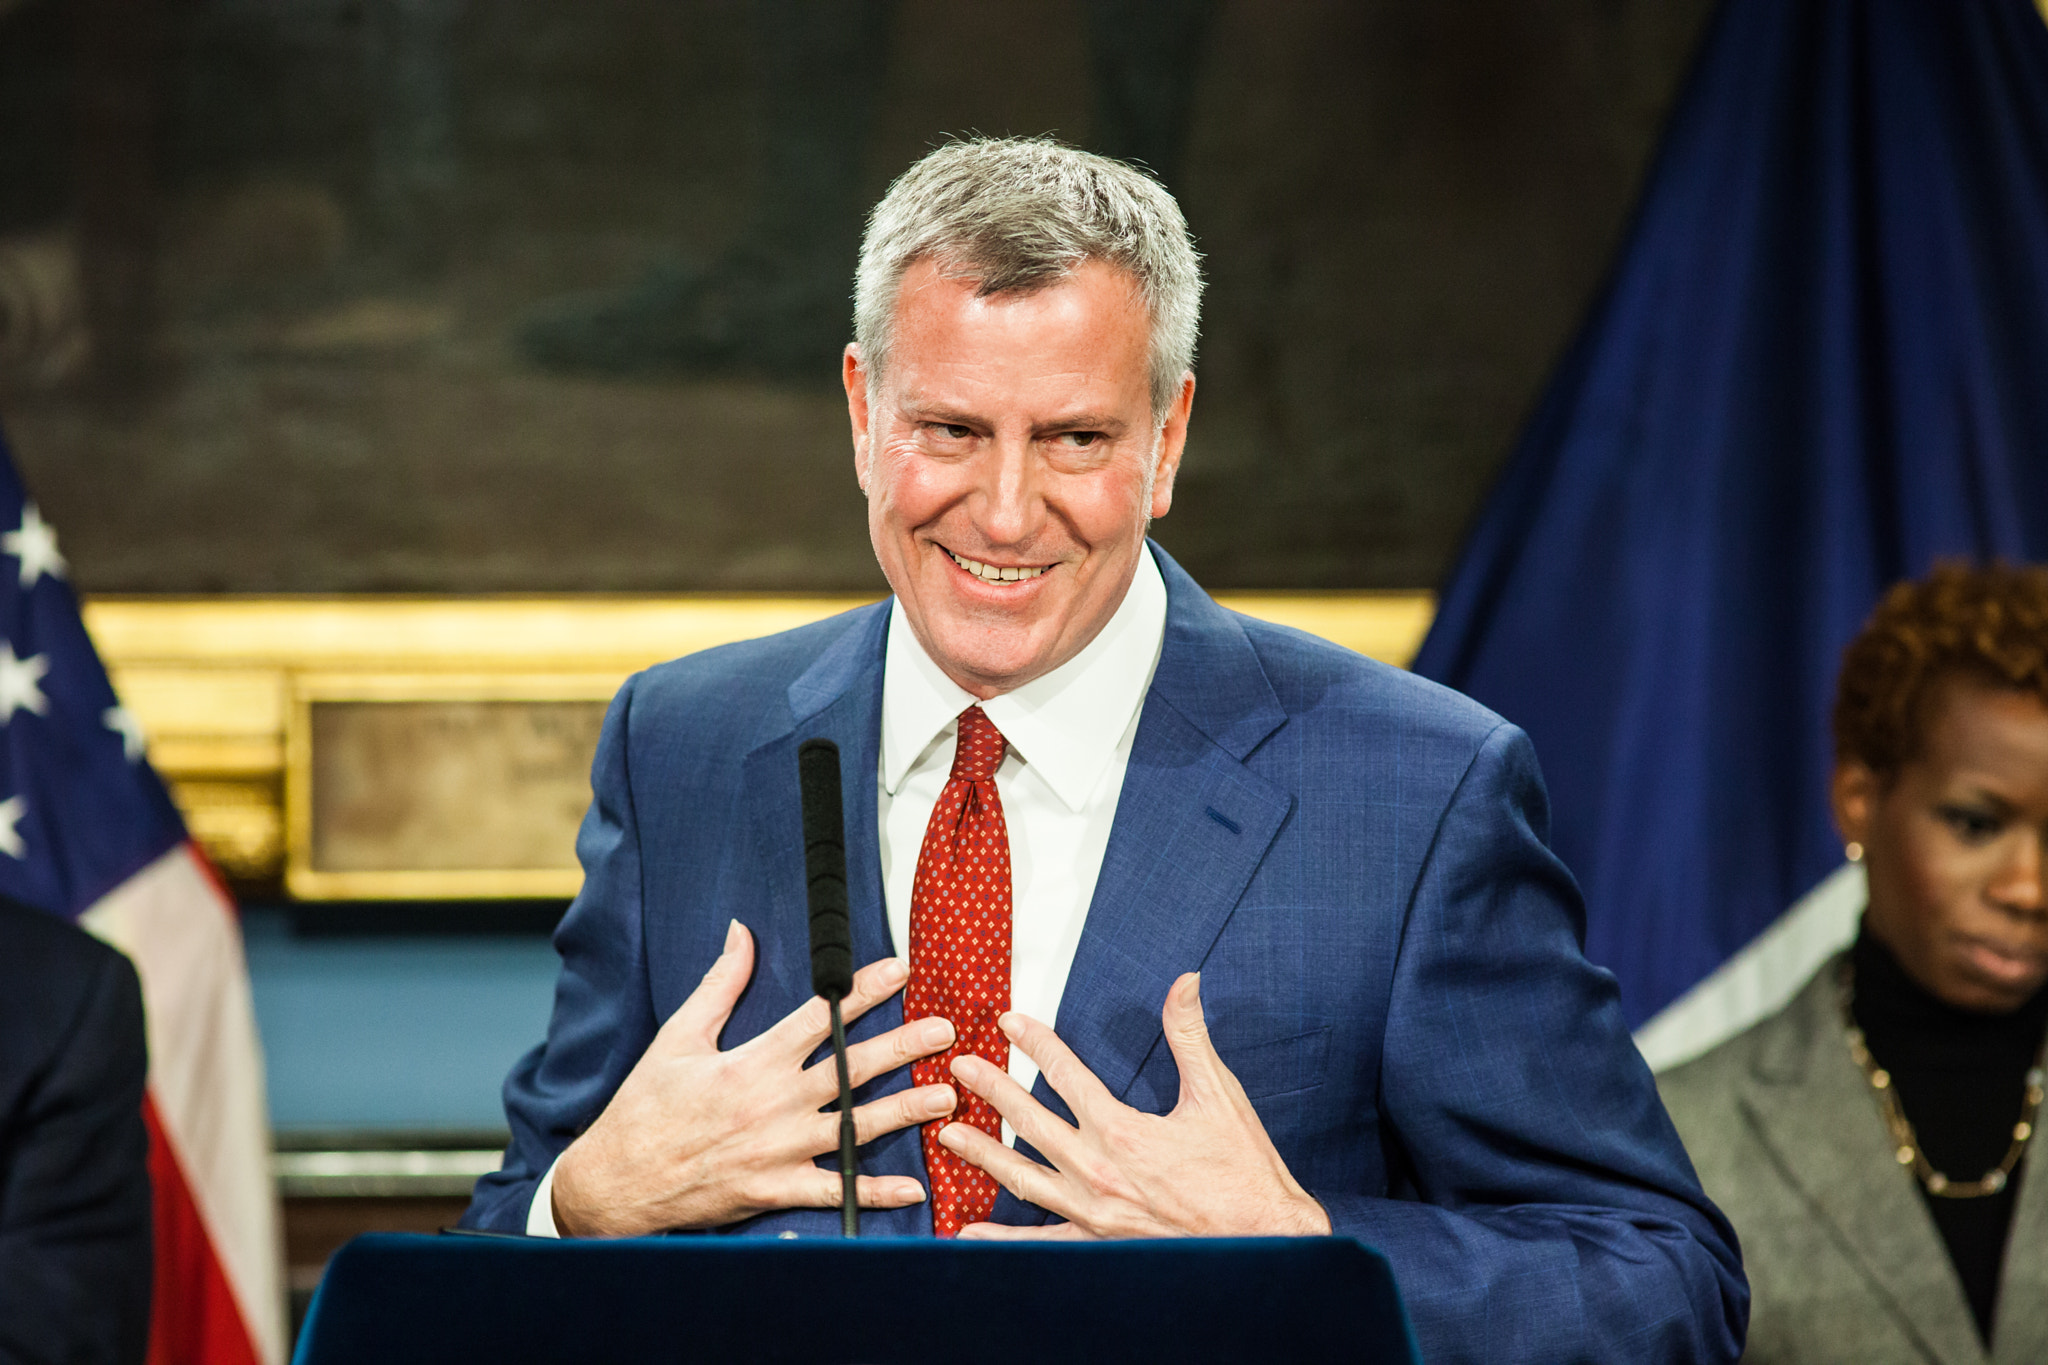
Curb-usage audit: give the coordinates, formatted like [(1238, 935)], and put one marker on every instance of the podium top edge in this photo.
[(383, 1243)]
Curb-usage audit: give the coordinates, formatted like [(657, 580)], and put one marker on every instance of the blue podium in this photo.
[(396, 1299)]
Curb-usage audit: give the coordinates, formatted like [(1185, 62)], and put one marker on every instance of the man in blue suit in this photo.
[(1308, 963)]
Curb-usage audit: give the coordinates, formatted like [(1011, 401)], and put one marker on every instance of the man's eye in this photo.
[(1972, 825), (951, 431), (1081, 440)]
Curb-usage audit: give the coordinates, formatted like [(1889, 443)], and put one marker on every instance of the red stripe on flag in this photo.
[(193, 1317)]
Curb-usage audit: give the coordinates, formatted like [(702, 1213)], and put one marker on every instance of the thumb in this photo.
[(698, 1021), (1187, 1036)]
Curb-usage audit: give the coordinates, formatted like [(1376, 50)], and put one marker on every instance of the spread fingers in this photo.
[(816, 1188), (877, 1118), (799, 1032), (898, 1047), (1019, 1174)]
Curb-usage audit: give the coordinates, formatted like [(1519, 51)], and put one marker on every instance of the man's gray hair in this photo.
[(1018, 214)]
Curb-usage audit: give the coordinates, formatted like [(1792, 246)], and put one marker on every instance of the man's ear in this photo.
[(1853, 794), (1173, 440), (855, 378)]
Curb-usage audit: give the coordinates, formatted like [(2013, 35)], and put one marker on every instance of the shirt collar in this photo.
[(1064, 725)]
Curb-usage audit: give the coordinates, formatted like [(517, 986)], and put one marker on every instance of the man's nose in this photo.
[(1010, 496)]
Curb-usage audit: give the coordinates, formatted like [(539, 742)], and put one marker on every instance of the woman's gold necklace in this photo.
[(1906, 1142)]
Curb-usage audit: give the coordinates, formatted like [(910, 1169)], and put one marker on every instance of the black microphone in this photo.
[(817, 768)]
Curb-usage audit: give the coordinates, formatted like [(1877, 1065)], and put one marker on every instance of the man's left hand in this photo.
[(1207, 1169)]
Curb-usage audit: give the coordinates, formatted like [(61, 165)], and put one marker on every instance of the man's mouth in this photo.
[(996, 573)]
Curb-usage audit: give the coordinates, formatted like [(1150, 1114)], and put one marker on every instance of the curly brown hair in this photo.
[(1985, 622)]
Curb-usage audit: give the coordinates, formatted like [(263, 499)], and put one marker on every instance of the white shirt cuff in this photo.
[(540, 1214)]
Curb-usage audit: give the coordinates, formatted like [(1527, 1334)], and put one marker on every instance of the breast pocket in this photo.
[(1269, 1067)]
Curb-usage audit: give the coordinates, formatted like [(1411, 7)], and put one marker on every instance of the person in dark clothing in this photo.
[(75, 1258), (1870, 1142)]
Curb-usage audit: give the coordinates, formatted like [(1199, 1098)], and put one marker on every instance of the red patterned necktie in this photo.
[(960, 957)]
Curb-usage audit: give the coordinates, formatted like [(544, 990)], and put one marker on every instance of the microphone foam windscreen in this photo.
[(817, 762)]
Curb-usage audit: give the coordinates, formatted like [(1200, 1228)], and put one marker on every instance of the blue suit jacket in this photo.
[(1353, 857)]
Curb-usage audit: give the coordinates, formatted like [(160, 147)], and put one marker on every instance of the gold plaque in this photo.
[(224, 686), (433, 787)]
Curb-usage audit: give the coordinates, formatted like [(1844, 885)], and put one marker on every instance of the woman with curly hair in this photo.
[(1870, 1142)]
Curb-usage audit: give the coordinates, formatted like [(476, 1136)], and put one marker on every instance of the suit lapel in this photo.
[(1814, 1112), (838, 698), (1192, 825)]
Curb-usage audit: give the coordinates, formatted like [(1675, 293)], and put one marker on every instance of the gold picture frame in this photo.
[(218, 681)]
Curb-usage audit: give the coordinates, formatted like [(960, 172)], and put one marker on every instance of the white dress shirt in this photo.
[(1069, 739), (1069, 736)]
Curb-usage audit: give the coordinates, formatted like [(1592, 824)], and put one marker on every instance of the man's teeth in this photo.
[(989, 573)]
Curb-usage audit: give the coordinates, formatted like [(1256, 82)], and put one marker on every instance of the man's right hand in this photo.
[(697, 1138)]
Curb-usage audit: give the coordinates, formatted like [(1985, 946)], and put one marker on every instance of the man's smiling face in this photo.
[(1011, 462)]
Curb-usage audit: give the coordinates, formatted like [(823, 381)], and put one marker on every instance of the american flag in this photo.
[(88, 831)]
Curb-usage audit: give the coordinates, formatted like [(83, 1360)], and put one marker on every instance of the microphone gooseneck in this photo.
[(817, 762)]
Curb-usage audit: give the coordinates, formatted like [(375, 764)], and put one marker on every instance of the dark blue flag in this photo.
[(1821, 362)]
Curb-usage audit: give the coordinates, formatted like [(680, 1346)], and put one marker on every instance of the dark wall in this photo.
[(336, 295)]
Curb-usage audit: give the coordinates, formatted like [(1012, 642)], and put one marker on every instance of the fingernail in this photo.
[(948, 1137), (935, 1032), (732, 936), (1191, 989), (944, 1100)]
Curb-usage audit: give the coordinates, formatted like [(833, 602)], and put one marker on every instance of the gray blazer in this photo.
[(1844, 1262)]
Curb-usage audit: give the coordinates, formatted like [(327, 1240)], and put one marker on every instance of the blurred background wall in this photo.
[(447, 296)]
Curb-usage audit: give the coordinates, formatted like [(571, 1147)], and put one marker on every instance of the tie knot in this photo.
[(981, 747)]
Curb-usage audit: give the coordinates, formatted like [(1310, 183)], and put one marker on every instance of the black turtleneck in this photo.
[(1961, 1078)]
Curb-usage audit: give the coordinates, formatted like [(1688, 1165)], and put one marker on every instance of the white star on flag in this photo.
[(35, 545), (20, 681), (11, 811), (122, 722)]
